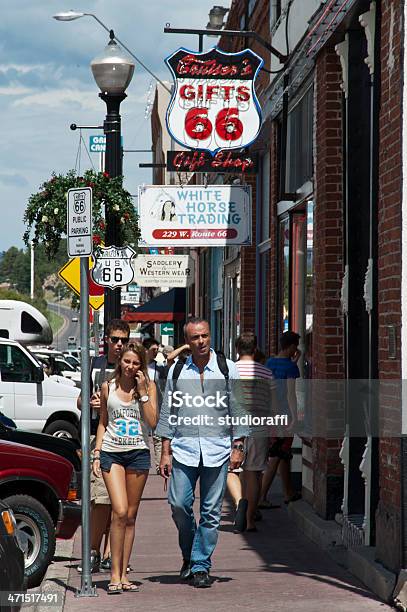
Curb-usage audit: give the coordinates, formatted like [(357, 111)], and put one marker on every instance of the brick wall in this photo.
[(248, 272), (389, 274), (328, 272), (274, 197)]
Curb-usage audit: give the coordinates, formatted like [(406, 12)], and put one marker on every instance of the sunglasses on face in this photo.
[(116, 339)]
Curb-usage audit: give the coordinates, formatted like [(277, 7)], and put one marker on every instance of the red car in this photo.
[(40, 488)]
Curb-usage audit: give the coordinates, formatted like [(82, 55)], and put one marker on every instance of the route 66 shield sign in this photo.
[(113, 267), (214, 105)]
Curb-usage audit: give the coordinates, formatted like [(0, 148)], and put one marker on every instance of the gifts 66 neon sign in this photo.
[(214, 105)]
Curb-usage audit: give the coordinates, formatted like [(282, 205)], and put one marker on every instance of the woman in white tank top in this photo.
[(128, 409)]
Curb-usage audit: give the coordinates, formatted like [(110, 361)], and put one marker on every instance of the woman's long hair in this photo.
[(140, 351)]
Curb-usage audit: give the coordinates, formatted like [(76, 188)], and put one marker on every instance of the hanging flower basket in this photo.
[(46, 210)]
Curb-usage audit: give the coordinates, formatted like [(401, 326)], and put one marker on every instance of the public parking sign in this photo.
[(79, 222)]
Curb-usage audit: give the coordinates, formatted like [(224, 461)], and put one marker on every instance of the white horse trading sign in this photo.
[(214, 105)]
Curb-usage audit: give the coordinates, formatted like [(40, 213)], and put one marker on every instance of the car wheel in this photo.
[(36, 525), (62, 429)]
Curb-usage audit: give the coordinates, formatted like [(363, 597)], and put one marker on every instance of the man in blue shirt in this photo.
[(197, 444), (285, 370)]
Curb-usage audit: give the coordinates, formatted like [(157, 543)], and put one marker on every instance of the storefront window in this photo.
[(284, 274), (298, 272), (265, 198), (308, 293)]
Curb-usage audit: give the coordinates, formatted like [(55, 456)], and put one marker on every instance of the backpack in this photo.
[(222, 365)]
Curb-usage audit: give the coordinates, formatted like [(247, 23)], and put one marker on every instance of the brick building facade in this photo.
[(326, 255)]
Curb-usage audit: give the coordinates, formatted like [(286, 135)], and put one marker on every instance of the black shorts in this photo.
[(137, 460)]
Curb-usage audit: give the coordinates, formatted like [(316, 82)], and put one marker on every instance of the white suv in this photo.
[(32, 399)]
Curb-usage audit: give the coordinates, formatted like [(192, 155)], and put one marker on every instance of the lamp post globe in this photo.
[(216, 15), (112, 70)]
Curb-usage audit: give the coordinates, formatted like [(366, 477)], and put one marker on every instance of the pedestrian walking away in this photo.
[(157, 374), (189, 455), (259, 392), (285, 370), (102, 368), (128, 409)]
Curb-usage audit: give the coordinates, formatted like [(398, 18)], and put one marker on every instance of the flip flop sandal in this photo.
[(130, 587), (266, 505), (114, 588), (293, 498)]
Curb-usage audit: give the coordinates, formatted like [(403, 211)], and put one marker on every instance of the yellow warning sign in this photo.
[(70, 274)]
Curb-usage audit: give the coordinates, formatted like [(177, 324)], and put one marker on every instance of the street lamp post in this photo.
[(112, 71)]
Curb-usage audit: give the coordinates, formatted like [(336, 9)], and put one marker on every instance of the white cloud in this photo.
[(14, 89), (61, 98), (46, 84)]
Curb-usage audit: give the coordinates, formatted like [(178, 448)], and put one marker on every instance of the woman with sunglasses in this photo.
[(128, 409)]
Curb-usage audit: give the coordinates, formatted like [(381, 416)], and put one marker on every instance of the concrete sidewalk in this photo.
[(275, 569)]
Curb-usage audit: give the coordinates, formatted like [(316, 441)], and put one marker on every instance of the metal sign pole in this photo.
[(96, 332), (86, 590), (80, 243)]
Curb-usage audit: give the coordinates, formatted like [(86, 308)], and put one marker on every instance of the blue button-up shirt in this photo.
[(210, 436)]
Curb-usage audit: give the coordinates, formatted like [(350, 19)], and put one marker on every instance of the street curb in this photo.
[(359, 561), (56, 578)]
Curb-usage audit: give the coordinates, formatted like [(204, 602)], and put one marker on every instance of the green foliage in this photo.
[(15, 267), (46, 210)]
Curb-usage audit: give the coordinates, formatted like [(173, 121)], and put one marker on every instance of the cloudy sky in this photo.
[(46, 84)]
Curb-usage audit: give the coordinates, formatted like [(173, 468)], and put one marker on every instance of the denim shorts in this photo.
[(137, 460)]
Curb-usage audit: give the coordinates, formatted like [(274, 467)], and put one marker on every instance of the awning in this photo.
[(168, 306)]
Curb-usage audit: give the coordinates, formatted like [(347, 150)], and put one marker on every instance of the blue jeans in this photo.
[(197, 543)]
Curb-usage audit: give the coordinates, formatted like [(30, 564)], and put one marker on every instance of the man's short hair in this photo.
[(288, 338), (246, 343), (149, 342), (194, 321), (117, 325)]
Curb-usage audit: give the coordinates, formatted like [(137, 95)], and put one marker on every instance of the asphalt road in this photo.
[(69, 328)]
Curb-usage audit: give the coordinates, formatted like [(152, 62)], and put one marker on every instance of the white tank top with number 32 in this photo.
[(125, 429)]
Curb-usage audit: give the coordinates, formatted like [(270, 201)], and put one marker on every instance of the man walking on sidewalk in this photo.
[(199, 451)]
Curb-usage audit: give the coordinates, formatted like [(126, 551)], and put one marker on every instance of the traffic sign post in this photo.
[(79, 225), (79, 233), (113, 266), (70, 274), (167, 329), (87, 590)]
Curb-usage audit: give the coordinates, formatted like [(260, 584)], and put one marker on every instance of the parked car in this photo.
[(68, 449), (75, 353), (40, 488), (31, 398), (11, 557), (74, 361), (57, 364)]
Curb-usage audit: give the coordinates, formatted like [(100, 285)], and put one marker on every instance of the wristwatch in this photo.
[(238, 447), (144, 399)]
